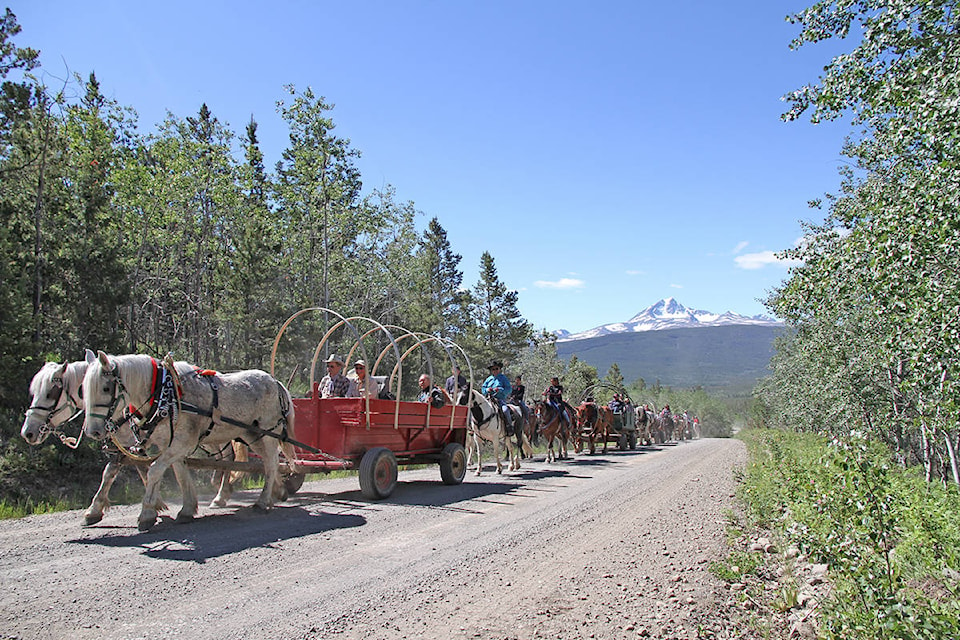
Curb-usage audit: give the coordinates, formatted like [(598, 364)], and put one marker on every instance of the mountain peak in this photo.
[(668, 313)]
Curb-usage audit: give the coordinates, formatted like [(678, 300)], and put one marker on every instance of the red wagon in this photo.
[(375, 436)]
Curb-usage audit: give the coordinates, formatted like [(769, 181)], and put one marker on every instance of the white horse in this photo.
[(178, 410), (488, 423), (55, 400)]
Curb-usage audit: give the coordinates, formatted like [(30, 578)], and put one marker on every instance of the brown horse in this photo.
[(593, 424), (554, 426)]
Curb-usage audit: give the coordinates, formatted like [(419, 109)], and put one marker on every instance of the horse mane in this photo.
[(47, 371)]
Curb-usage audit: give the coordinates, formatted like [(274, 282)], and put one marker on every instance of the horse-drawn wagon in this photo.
[(162, 414), (623, 428), (374, 435), (607, 424)]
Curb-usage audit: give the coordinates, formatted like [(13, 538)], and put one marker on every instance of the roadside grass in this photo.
[(891, 540)]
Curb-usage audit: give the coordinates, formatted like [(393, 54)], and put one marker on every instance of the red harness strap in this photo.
[(154, 393)]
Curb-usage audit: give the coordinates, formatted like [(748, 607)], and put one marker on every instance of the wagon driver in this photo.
[(335, 384)]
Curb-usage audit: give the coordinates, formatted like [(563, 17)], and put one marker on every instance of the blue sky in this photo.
[(606, 153)]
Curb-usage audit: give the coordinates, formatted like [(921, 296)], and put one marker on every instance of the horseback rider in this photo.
[(498, 385), (516, 397), (554, 397)]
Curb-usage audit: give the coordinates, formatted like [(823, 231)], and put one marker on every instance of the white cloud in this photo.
[(763, 259), (634, 272), (740, 247), (676, 286), (562, 283)]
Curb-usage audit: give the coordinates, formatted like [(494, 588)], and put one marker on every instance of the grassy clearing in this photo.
[(890, 539)]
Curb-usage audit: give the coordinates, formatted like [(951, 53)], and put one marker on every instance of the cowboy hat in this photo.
[(335, 358), (360, 363)]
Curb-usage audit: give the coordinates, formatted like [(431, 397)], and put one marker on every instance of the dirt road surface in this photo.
[(605, 546)]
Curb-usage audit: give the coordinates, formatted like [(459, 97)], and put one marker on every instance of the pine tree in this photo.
[(442, 308), (498, 331)]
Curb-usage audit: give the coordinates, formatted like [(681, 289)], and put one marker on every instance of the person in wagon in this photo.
[(616, 404), (431, 393), (335, 384), (457, 386), (366, 386)]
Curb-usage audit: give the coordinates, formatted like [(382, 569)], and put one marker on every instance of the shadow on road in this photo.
[(220, 534)]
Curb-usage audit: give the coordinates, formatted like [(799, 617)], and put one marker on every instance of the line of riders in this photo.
[(552, 418)]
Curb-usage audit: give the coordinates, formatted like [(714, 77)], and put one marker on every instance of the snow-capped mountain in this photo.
[(667, 314)]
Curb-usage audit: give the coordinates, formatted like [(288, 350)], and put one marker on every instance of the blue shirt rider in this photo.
[(499, 384)]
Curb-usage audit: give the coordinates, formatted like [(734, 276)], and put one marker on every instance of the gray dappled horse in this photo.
[(55, 399), (178, 410)]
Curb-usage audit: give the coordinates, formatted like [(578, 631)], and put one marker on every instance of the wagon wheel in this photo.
[(453, 464), (293, 481), (633, 440), (378, 473)]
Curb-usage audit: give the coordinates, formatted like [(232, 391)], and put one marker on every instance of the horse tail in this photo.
[(289, 431)]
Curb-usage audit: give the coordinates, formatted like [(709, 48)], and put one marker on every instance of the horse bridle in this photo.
[(115, 395), (558, 414), (47, 427)]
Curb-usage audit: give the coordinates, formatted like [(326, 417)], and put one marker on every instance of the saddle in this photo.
[(514, 419)]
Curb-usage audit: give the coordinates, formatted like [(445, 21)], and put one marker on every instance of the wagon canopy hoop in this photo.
[(422, 339), (601, 385)]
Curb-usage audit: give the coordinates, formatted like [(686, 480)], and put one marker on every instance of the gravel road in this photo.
[(606, 546)]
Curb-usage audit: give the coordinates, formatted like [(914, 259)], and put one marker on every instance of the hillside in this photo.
[(730, 358)]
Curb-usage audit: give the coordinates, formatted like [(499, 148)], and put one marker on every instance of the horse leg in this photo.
[(226, 477), (151, 504), (179, 449), (525, 445), (101, 500), (270, 455), (475, 439), (496, 453), (189, 508)]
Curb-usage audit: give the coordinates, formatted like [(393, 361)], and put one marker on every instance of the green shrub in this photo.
[(891, 540)]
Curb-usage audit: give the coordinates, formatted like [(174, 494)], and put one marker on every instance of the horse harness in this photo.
[(166, 402)]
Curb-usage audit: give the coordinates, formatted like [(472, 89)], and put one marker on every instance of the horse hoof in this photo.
[(146, 525), (218, 503), (185, 517), (91, 518), (260, 508)]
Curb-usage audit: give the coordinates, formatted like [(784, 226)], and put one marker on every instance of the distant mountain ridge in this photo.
[(668, 313), (729, 358)]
